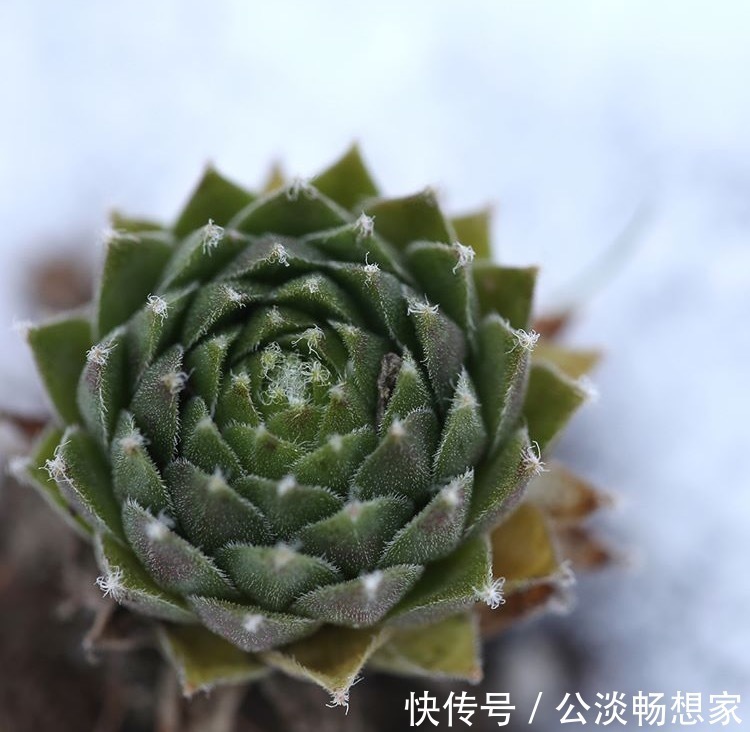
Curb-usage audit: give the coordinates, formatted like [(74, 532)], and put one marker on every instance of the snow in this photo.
[(570, 117)]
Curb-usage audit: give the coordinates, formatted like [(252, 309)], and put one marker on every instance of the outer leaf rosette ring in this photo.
[(292, 421)]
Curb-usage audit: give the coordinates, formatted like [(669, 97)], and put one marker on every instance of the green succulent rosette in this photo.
[(291, 422)]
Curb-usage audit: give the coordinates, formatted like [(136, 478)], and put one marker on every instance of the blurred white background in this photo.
[(569, 116)]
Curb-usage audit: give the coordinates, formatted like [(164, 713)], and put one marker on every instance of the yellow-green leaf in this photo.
[(332, 658), (522, 547), (449, 649), (575, 362), (204, 661)]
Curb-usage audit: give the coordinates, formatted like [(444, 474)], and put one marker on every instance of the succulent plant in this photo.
[(295, 426)]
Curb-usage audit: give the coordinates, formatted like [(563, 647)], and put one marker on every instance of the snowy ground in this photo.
[(571, 116)]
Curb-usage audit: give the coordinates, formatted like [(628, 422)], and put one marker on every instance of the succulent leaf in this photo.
[(448, 649), (474, 230), (332, 658), (60, 349), (204, 661), (551, 399), (132, 267), (300, 421), (214, 197), (507, 291)]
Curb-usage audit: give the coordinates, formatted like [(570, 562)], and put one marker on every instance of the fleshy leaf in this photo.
[(402, 462), (59, 349), (436, 530), (214, 303), (347, 181), (464, 435), (500, 481), (380, 297), (332, 658), (474, 229), (131, 224), (34, 472), (444, 275), (401, 390), (134, 474), (206, 365), (202, 255), (334, 463), (273, 258), (175, 565), (203, 445), (448, 586), (501, 374), (318, 295), (353, 538), (249, 627), (448, 649), (287, 504), (366, 352), (357, 244), (102, 389), (508, 291), (274, 576), (132, 268), (413, 218), (155, 326), (155, 405), (443, 347), (235, 403), (296, 210), (362, 601), (127, 581), (204, 660), (575, 362), (214, 198), (522, 547), (551, 400), (275, 178), (81, 467), (260, 451), (211, 513)]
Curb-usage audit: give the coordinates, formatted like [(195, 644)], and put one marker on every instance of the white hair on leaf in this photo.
[(286, 484), (525, 340), (371, 583), (175, 381), (110, 583), (21, 326), (212, 235), (300, 186), (340, 698), (132, 443), (491, 592), (234, 296), (278, 254), (587, 388), (364, 226), (253, 622), (99, 353), (532, 458), (418, 307), (465, 256), (158, 306)]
